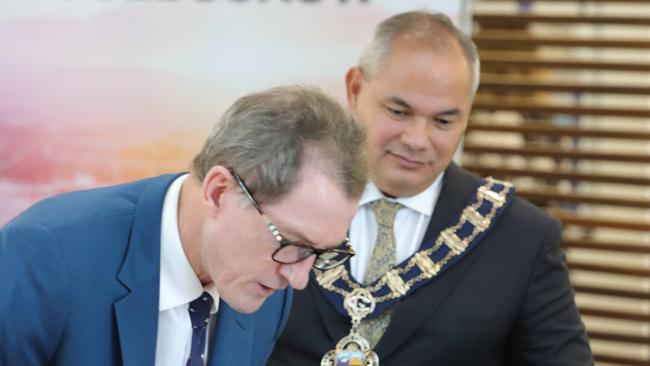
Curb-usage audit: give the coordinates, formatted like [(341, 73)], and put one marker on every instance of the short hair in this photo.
[(433, 30), (266, 138)]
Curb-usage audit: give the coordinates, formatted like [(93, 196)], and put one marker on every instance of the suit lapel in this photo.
[(413, 311), (137, 322), (136, 314), (232, 342), (335, 325)]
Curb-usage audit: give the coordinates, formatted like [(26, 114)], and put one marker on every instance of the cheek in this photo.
[(378, 124), (212, 257), (223, 252), (445, 143), (254, 252), (383, 133)]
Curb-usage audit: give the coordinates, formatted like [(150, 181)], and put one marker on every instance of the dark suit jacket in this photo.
[(507, 302), (79, 285)]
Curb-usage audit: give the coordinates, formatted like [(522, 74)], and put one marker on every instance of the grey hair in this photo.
[(266, 138), (434, 30)]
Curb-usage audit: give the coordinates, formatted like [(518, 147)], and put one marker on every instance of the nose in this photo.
[(416, 134), (297, 274)]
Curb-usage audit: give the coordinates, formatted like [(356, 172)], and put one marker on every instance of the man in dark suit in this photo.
[(449, 270), (164, 270)]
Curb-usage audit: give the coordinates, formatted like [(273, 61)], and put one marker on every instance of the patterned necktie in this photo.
[(199, 310), (382, 261)]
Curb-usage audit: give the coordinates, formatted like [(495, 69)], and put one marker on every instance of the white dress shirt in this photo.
[(179, 285), (410, 225)]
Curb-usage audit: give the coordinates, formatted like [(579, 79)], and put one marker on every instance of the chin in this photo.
[(399, 184), (246, 306), (243, 308)]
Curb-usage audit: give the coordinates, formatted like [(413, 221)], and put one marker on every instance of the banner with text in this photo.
[(95, 92)]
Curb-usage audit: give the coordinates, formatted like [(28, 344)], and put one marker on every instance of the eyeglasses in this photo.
[(291, 252)]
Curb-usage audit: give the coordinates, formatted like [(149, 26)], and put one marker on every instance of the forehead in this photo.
[(316, 210), (412, 70)]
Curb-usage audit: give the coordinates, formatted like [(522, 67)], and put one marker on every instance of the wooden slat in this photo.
[(524, 105), (626, 271), (603, 291), (606, 336), (570, 218), (495, 59), (517, 40), (585, 243), (558, 174), (509, 85), (546, 196), (549, 129), (580, 1), (614, 314), (501, 19), (620, 360), (496, 56), (558, 153)]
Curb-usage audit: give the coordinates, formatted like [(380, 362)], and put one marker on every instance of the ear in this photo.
[(215, 183), (353, 80)]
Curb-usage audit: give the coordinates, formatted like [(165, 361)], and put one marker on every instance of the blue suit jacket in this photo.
[(79, 279)]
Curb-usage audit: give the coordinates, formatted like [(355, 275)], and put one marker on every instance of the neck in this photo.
[(190, 224)]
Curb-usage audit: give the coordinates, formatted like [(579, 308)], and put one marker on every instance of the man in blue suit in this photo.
[(187, 269)]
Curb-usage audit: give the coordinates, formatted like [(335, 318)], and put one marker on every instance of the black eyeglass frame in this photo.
[(349, 253)]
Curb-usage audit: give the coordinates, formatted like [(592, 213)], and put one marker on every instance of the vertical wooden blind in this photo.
[(563, 111)]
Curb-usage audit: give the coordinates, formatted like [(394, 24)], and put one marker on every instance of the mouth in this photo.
[(405, 162), (266, 290)]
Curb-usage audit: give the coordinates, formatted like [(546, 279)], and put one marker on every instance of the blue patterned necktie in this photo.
[(199, 310)]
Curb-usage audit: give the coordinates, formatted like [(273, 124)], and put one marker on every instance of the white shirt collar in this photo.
[(422, 202), (179, 284)]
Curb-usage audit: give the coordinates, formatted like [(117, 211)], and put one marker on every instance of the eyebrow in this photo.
[(302, 238), (291, 235), (401, 102), (449, 112)]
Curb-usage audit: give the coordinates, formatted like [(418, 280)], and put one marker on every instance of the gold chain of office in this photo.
[(423, 260)]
